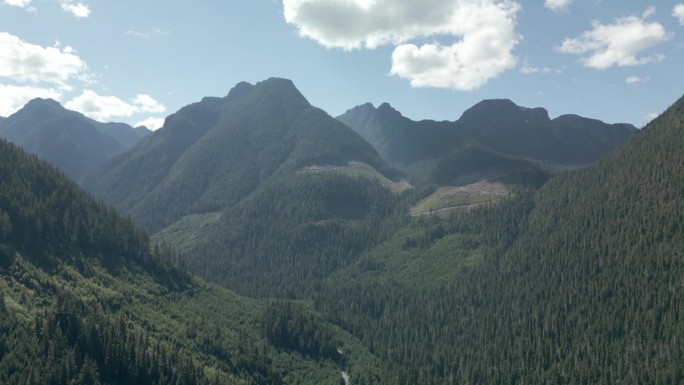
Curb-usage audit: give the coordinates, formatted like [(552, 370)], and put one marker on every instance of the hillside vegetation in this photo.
[(85, 299), (526, 278), (576, 283), (229, 181)]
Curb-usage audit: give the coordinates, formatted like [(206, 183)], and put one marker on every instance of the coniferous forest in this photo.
[(296, 254)]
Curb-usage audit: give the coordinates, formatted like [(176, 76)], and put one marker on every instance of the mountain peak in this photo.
[(280, 86), (387, 107), (386, 111), (40, 104), (41, 101), (240, 89), (503, 109), (276, 81), (362, 109)]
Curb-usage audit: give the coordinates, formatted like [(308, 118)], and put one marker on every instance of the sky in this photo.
[(139, 61)]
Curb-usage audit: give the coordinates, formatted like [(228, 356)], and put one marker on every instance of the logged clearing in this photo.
[(361, 169), (450, 198)]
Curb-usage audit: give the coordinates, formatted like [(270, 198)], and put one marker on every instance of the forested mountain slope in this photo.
[(500, 126), (212, 154), (259, 190), (85, 299), (576, 283), (67, 139)]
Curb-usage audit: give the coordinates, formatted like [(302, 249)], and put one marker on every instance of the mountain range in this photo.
[(573, 283), (228, 180), (559, 259), (67, 139), (248, 171), (500, 126)]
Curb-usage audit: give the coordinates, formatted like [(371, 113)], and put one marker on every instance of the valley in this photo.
[(255, 239)]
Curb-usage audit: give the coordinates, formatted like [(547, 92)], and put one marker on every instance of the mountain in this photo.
[(226, 178), (574, 283), (67, 139), (498, 125), (528, 132), (86, 299)]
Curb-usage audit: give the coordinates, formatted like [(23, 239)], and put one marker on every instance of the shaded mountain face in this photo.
[(212, 154), (229, 180), (497, 125), (529, 133), (67, 139)]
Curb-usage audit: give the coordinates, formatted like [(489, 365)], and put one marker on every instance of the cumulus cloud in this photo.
[(650, 116), (77, 9), (101, 108), (104, 108), (145, 103), (618, 43), (483, 35), (678, 12), (151, 123), (18, 3), (13, 98), (557, 5), (636, 79), (25, 62)]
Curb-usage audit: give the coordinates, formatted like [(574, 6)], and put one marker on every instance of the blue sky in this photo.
[(138, 61)]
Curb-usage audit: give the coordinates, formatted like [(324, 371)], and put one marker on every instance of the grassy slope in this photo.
[(453, 197), (360, 169)]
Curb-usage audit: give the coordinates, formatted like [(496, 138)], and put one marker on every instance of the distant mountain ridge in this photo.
[(67, 139), (499, 125)]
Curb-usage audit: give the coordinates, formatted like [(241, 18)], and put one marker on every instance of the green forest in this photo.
[(208, 253)]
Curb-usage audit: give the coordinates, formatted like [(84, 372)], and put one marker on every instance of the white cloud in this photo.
[(18, 3), (101, 108), (650, 116), (618, 43), (13, 98), (636, 79), (527, 69), (557, 5), (151, 123), (678, 12), (25, 62), (77, 9), (104, 108), (146, 103), (149, 34), (483, 32)]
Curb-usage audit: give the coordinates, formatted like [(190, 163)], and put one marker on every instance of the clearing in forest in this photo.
[(449, 198)]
